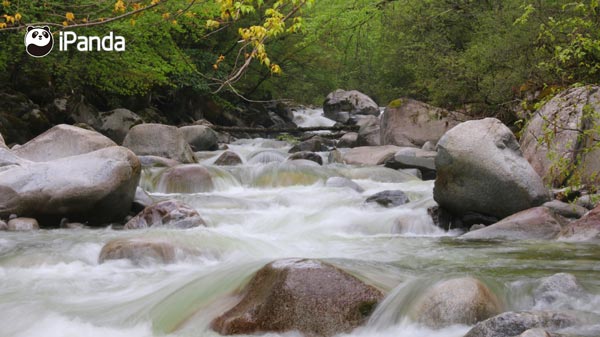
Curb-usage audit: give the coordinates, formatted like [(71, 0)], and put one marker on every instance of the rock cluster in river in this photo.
[(69, 172)]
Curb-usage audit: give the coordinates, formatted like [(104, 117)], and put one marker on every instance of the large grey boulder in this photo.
[(62, 141), (480, 169), (463, 300), (570, 117), (95, 187), (200, 137), (407, 122), (510, 324), (340, 105), (116, 123), (159, 140), (309, 296), (538, 223)]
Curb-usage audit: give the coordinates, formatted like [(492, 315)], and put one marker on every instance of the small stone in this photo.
[(23, 225)]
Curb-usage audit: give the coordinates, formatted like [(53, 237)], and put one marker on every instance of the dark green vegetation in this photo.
[(483, 56)]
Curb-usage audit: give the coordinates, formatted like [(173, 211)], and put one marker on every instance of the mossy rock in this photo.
[(396, 103)]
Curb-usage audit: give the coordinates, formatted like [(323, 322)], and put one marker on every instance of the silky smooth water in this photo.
[(51, 283)]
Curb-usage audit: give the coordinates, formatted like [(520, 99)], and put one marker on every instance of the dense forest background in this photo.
[(484, 57)]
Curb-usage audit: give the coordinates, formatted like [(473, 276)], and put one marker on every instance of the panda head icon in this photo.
[(38, 41)]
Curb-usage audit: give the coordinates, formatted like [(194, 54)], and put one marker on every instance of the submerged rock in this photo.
[(266, 156), (189, 178), (535, 223), (341, 182), (138, 250), (458, 301), (22, 225), (173, 213), (389, 198), (585, 229), (306, 155), (228, 158), (159, 140), (561, 287), (480, 169), (290, 173), (62, 141), (510, 324), (309, 296), (96, 187)]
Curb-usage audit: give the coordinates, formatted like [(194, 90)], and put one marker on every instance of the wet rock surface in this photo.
[(480, 169), (511, 324), (457, 301), (309, 296), (172, 213)]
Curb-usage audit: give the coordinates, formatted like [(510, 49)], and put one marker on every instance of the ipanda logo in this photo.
[(39, 42)]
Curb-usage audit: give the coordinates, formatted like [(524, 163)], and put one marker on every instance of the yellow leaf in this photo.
[(70, 16), (174, 22), (10, 19), (84, 20), (212, 24), (166, 16), (18, 16), (154, 2), (132, 22), (275, 69), (119, 6), (65, 23), (2, 25), (5, 3)]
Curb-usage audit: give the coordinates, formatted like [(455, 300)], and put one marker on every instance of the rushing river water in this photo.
[(51, 283)]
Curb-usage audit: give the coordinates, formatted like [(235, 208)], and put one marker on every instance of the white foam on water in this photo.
[(54, 325)]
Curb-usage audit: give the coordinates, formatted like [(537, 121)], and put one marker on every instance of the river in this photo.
[(51, 283)]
